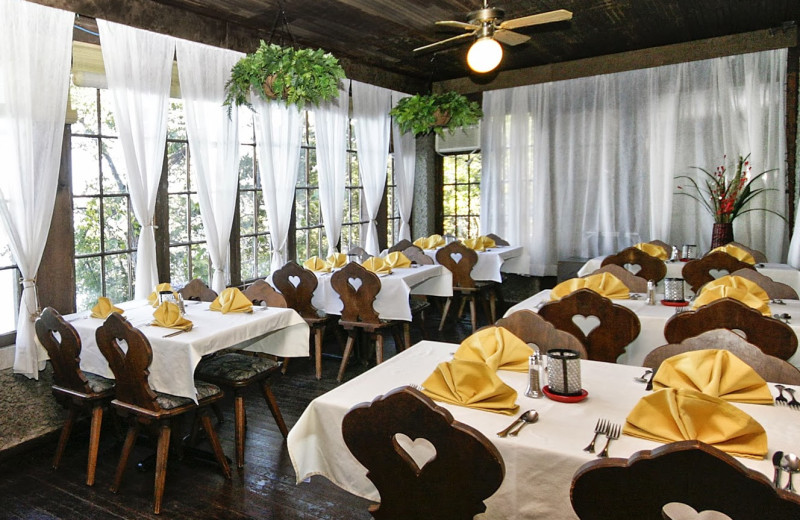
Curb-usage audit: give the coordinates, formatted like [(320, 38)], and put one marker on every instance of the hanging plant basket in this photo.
[(423, 114)]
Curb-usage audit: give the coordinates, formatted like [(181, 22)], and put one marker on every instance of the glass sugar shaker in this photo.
[(651, 292), (534, 389)]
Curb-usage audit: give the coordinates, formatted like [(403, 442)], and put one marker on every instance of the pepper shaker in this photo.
[(534, 389), (651, 292)]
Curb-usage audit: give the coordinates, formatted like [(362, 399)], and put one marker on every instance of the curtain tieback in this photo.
[(30, 283)]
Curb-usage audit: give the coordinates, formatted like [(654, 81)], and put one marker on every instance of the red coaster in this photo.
[(670, 303), (565, 398)]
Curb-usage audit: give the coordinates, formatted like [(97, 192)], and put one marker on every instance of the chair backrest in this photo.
[(532, 328), (359, 252), (417, 255), (130, 367), (616, 326), (649, 267), (453, 484), (498, 240), (688, 472), (297, 284), (703, 270), (64, 351), (358, 288), (635, 284), (768, 367), (458, 259), (197, 290), (260, 291), (772, 336), (757, 255), (774, 290), (667, 247), (401, 245)]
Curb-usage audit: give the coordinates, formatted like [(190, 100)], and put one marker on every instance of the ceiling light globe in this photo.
[(484, 55)]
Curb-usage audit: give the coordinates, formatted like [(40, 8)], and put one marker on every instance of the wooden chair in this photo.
[(75, 389), (497, 240), (297, 284), (662, 244), (757, 255), (197, 290), (144, 407), (358, 287), (635, 284), (401, 245), (261, 292), (359, 253), (650, 267), (686, 472), (532, 328), (417, 255), (618, 326), (460, 260), (701, 271), (775, 290), (768, 367), (772, 336), (453, 484)]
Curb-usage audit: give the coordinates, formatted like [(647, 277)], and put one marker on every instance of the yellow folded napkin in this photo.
[(737, 288), (497, 347), (337, 260), (605, 284), (482, 243), (317, 264), (103, 308), (672, 415), (153, 298), (736, 252), (231, 300), (473, 384), (376, 265), (397, 259), (169, 315), (431, 242), (652, 250), (717, 373)]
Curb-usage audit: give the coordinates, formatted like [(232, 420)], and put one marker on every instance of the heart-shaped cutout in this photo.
[(355, 283), (633, 268), (418, 452), (680, 511), (717, 273), (456, 257), (294, 280), (586, 323)]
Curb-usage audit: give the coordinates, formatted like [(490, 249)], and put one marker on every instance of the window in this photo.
[(461, 195), (309, 231), (352, 223), (392, 209), (9, 285), (254, 239)]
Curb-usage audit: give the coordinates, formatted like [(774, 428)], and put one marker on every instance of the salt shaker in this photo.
[(534, 389), (181, 305), (675, 256), (651, 292)]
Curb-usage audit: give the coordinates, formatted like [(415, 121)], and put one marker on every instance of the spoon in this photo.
[(518, 420), (791, 465), (531, 416), (643, 378), (776, 462)]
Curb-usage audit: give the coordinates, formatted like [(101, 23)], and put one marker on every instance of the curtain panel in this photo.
[(586, 167), (405, 157)]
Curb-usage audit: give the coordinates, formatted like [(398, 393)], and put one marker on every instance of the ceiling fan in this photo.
[(487, 26)]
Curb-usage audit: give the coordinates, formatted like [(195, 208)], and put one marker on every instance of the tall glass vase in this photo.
[(722, 234)]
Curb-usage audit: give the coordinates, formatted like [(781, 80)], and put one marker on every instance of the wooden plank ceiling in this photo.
[(383, 33)]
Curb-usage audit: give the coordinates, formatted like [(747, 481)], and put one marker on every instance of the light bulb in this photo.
[(484, 55)]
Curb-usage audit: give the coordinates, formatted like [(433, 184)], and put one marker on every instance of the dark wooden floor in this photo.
[(264, 489)]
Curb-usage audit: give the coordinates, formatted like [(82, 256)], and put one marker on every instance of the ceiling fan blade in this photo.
[(510, 37), (536, 19), (460, 25), (443, 42)]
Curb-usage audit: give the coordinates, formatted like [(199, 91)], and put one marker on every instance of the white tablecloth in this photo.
[(540, 462), (281, 332), (653, 318), (508, 259)]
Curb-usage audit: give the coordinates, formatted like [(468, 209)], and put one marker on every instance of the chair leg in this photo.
[(239, 427), (348, 348), (473, 313), (285, 366), (94, 443), (72, 414), (319, 332), (272, 404), (162, 451), (215, 445), (127, 447), (444, 313), (493, 304), (461, 307), (406, 335), (379, 349)]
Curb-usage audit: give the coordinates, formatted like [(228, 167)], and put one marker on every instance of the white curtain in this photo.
[(371, 107), (139, 69), (330, 123), (214, 144), (586, 167), (278, 132), (34, 82), (405, 156)]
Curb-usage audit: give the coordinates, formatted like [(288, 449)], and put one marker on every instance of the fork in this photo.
[(611, 435), (794, 403), (600, 428), (781, 400)]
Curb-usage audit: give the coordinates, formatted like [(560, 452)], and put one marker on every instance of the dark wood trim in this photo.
[(291, 238), (438, 190), (235, 260), (382, 220), (792, 71), (161, 217)]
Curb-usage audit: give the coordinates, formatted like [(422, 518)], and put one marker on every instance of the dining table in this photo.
[(653, 318), (496, 260), (539, 462), (271, 330)]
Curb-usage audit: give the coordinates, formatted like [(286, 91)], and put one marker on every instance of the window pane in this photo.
[(118, 277), (179, 265), (84, 101), (9, 285), (115, 217), (115, 178), (89, 281), (247, 248), (178, 177), (86, 222), (108, 126), (85, 179)]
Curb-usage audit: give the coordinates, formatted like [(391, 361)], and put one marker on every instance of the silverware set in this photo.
[(611, 432), (531, 416), (788, 462), (783, 317), (781, 400)]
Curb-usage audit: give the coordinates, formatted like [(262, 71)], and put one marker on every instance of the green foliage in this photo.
[(418, 113), (298, 76)]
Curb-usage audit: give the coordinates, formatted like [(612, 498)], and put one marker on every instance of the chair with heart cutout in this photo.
[(635, 284), (459, 260), (638, 263), (703, 270), (604, 328), (424, 463), (532, 328)]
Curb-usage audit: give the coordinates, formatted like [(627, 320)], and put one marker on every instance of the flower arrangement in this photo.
[(725, 196)]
